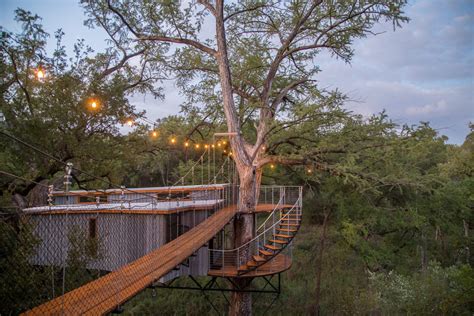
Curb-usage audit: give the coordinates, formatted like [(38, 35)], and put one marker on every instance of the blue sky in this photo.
[(422, 72)]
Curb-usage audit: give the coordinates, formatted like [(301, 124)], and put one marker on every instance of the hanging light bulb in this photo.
[(309, 170), (219, 144), (40, 74), (224, 142), (197, 146), (130, 122), (206, 146), (272, 166), (173, 140), (93, 104), (154, 134), (186, 144), (213, 146)]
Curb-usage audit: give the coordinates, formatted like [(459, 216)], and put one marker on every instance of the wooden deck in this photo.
[(261, 208), (278, 264), (106, 293)]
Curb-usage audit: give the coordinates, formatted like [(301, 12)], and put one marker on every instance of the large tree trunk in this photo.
[(241, 303)]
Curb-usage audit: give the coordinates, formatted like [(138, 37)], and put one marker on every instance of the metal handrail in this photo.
[(262, 233), (272, 213)]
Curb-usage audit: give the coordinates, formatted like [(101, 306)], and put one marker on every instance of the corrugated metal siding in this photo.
[(123, 239)]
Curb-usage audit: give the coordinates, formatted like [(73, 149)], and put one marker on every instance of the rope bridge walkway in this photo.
[(108, 292)]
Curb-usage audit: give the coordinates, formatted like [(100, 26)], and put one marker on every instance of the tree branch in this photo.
[(167, 39)]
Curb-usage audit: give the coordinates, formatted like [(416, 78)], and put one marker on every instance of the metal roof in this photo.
[(163, 206)]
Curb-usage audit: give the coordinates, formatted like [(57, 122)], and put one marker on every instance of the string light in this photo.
[(224, 142), (225, 151), (206, 146), (197, 146), (154, 134), (219, 144), (272, 166), (309, 170), (130, 122), (173, 140), (40, 74), (93, 104), (213, 146), (186, 144)]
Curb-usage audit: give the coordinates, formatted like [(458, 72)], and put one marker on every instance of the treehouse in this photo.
[(147, 237), (120, 226)]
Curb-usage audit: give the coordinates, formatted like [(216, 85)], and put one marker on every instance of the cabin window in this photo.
[(93, 228)]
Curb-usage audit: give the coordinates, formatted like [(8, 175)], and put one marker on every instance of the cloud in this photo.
[(422, 72), (428, 109)]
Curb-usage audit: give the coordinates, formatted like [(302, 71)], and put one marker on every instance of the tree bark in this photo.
[(241, 303)]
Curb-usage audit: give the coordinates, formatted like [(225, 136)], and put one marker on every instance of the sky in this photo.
[(422, 72)]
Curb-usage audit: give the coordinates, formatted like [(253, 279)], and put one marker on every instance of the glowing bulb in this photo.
[(173, 140), (206, 146), (272, 166), (263, 148), (40, 74), (154, 134), (230, 154), (309, 170), (224, 142), (130, 122), (213, 146), (186, 144), (219, 144), (197, 146), (94, 105)]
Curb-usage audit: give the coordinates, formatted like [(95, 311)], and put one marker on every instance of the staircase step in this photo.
[(243, 267), (252, 263), (287, 230), (283, 236), (289, 225), (276, 241), (272, 247), (258, 258), (285, 219), (265, 253)]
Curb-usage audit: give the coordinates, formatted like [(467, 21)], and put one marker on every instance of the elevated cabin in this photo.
[(107, 229)]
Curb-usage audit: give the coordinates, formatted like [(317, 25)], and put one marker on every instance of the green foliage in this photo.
[(54, 112), (21, 284), (437, 290)]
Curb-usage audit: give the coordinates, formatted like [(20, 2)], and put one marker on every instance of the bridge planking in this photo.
[(106, 293)]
